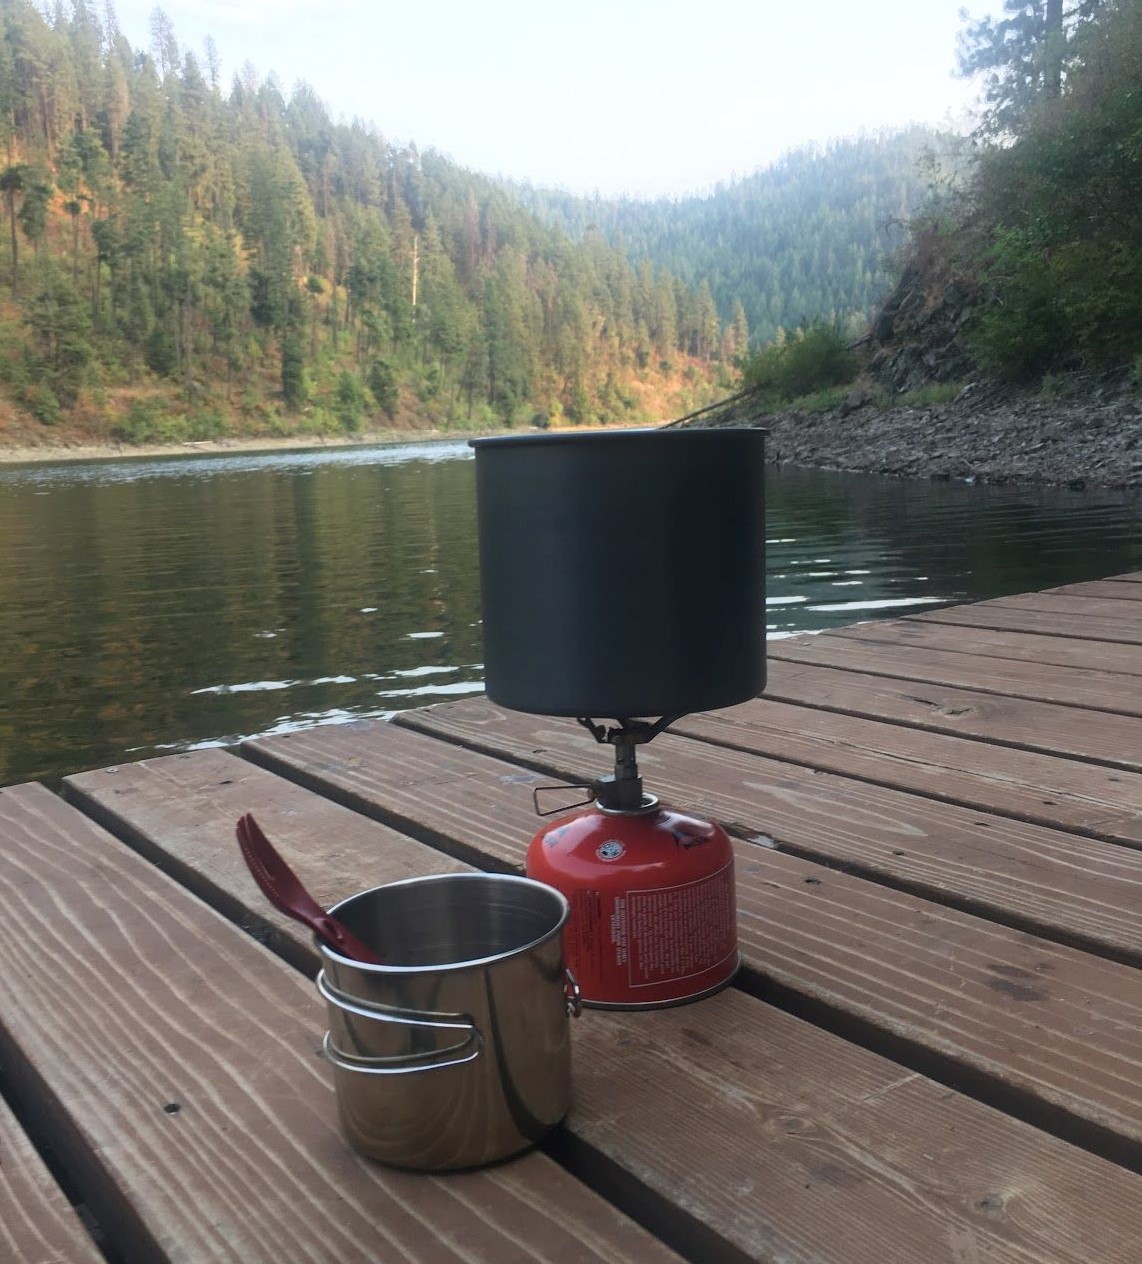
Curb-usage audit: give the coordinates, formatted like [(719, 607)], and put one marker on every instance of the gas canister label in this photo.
[(612, 849), (675, 932)]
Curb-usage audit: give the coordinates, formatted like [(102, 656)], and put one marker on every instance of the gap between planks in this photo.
[(480, 822), (1098, 738), (294, 815), (846, 825)]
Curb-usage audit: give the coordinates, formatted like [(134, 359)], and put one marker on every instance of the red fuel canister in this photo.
[(653, 915)]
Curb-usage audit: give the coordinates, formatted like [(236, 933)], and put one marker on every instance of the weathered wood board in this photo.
[(1023, 647), (990, 614), (781, 1141), (1062, 886), (1113, 740), (176, 1062), (1089, 688), (1119, 590), (942, 980), (37, 1223), (1087, 607), (1101, 802)]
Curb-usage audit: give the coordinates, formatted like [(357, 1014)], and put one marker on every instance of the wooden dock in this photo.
[(932, 1055)]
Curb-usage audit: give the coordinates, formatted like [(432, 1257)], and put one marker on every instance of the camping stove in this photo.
[(622, 574), (653, 916)]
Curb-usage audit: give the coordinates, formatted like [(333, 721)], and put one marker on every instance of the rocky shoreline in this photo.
[(1091, 437)]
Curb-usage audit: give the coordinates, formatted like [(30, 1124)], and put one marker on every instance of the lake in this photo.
[(149, 606)]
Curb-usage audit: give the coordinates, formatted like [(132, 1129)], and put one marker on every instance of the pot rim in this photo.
[(602, 436), (469, 963)]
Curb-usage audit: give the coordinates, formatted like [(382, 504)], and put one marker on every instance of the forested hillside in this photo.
[(803, 240), (185, 256), (1036, 273)]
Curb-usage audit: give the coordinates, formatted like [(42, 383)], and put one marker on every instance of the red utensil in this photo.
[(283, 889)]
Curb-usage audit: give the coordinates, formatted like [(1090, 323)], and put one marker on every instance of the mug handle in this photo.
[(396, 1066)]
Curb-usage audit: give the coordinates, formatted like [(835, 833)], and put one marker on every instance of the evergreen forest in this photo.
[(1050, 228), (807, 239), (186, 256)]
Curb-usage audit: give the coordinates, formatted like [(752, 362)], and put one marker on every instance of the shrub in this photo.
[(350, 402), (41, 402), (206, 425), (1072, 304), (814, 358)]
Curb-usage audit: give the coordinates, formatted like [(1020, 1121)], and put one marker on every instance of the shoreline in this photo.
[(995, 435), (239, 445), (1015, 438), (235, 446)]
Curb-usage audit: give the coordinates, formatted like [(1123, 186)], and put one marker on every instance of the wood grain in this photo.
[(37, 1224), (1099, 802), (1119, 590), (1087, 687), (940, 979), (180, 812), (1024, 647), (780, 1141), (802, 1148), (1112, 740), (125, 997), (1058, 885), (990, 614), (1061, 603)]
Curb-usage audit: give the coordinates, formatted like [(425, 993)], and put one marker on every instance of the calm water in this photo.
[(151, 606)]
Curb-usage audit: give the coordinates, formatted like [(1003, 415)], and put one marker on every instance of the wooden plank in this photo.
[(37, 1224), (1084, 607), (1024, 647), (1120, 591), (942, 980), (175, 1062), (1073, 687), (1061, 886), (1097, 736), (1099, 802), (990, 614), (780, 1140), (858, 1139), (1132, 577), (182, 791)]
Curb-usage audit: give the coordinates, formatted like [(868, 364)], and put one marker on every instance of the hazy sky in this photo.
[(639, 96)]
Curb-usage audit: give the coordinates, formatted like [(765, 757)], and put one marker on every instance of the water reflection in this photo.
[(164, 605)]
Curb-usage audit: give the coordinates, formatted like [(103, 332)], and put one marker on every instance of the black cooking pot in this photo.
[(622, 573)]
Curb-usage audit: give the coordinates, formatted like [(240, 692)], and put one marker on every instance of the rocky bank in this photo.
[(1092, 437), (1079, 430)]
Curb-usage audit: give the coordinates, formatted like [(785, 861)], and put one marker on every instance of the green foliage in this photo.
[(61, 348), (350, 402), (40, 400), (146, 422), (1022, 54), (383, 384), (821, 401), (805, 239), (1055, 224), (208, 424), (814, 358), (293, 369), (241, 238)]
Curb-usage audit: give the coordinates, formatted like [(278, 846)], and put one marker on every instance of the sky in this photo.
[(643, 97)]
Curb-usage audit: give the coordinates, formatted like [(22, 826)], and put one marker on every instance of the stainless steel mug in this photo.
[(456, 1052)]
